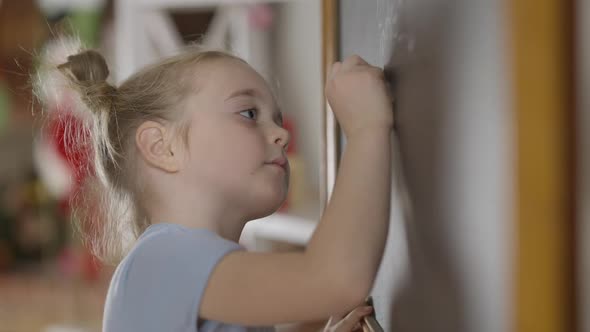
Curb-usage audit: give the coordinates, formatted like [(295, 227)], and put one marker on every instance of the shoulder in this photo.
[(161, 282), (169, 252), (169, 243)]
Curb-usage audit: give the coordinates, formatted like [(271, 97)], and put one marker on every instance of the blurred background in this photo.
[(490, 221), (48, 280)]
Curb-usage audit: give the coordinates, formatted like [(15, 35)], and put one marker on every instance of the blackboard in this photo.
[(446, 264)]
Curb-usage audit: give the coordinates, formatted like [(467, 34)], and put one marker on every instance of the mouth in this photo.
[(280, 162)]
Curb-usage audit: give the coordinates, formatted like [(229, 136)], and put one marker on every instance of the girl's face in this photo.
[(236, 140)]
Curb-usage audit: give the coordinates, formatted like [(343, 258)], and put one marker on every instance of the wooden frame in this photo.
[(545, 170), (330, 131), (583, 162)]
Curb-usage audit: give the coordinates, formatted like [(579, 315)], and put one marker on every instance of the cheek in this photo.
[(227, 150)]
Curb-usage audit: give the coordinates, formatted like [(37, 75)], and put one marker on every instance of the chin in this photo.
[(268, 206), (264, 198)]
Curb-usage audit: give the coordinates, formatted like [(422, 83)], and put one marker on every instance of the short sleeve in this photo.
[(166, 279)]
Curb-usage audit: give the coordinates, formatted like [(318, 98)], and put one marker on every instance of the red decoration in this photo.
[(261, 16)]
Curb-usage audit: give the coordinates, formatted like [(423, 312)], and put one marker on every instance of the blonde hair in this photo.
[(109, 209)]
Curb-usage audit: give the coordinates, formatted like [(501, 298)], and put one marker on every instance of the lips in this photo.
[(280, 161)]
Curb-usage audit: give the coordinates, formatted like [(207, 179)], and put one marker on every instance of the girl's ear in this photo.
[(155, 143)]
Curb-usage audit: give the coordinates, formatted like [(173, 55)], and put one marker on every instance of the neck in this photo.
[(199, 211)]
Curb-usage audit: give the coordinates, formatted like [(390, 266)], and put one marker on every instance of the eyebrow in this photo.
[(278, 115), (244, 92)]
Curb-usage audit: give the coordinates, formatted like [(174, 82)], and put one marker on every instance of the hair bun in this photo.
[(88, 71), (88, 67)]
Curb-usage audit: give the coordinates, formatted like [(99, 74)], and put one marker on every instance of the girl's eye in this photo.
[(250, 113)]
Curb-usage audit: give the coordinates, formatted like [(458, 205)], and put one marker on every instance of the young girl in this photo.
[(185, 153)]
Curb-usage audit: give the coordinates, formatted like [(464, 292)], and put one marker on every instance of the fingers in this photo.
[(348, 63), (349, 323), (354, 60)]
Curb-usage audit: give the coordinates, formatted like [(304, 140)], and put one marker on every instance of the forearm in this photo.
[(302, 327), (358, 212)]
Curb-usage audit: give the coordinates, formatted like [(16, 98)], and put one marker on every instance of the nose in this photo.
[(280, 136)]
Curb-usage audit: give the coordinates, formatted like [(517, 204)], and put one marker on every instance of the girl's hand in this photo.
[(352, 321), (359, 97)]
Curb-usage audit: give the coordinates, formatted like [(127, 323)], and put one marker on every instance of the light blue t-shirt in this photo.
[(159, 285)]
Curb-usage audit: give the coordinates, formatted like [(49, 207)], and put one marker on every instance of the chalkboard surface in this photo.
[(446, 263)]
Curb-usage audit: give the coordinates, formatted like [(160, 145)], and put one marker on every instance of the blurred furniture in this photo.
[(144, 32)]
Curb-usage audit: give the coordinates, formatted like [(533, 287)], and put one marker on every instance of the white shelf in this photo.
[(191, 4), (278, 227)]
